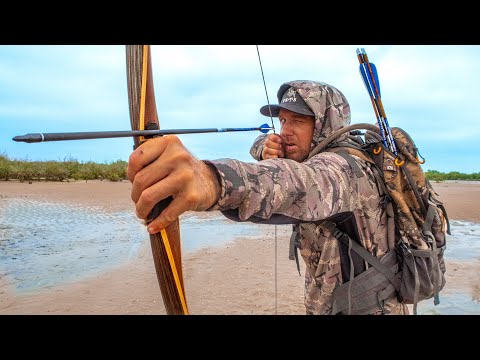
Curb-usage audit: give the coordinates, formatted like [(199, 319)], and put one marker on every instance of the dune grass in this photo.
[(68, 169), (72, 169)]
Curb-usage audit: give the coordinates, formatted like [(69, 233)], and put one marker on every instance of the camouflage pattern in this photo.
[(409, 208), (423, 275), (311, 191), (257, 147)]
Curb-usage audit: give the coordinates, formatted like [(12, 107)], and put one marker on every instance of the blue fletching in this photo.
[(366, 81), (375, 75), (265, 128)]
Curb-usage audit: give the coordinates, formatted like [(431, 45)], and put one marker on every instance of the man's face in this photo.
[(297, 133)]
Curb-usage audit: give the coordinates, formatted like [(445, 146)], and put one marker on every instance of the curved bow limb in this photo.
[(166, 246)]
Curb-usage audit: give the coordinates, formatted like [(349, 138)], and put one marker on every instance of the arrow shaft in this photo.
[(42, 137)]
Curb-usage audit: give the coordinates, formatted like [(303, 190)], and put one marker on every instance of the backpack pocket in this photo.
[(422, 274)]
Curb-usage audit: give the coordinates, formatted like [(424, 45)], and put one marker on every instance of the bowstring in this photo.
[(273, 127), (265, 87)]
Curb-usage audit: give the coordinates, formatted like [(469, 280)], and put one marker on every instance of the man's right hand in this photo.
[(273, 147)]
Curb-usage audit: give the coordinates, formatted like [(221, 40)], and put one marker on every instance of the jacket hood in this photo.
[(331, 108)]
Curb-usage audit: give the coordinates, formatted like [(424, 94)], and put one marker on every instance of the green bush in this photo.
[(70, 168), (55, 171), (4, 167)]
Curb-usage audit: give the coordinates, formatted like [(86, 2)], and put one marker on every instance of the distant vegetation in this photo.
[(71, 169), (435, 175), (68, 169)]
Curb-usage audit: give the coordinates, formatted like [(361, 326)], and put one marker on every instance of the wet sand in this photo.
[(246, 276)]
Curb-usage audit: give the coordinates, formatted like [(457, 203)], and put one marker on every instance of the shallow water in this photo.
[(199, 231), (44, 244), (450, 304), (462, 245)]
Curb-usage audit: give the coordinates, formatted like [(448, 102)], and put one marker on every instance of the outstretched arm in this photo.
[(308, 191)]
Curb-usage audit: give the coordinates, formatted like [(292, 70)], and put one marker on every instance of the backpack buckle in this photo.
[(340, 235), (386, 199), (429, 236), (405, 248)]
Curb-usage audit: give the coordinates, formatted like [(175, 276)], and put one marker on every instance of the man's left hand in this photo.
[(163, 167)]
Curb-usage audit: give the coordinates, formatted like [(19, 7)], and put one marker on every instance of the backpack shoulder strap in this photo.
[(325, 142), (345, 151)]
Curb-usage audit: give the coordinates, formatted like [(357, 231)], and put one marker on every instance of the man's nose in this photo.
[(286, 128)]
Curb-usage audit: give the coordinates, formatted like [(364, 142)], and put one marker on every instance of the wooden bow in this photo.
[(166, 247)]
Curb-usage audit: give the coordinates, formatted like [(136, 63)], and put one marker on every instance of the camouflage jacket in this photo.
[(287, 191)]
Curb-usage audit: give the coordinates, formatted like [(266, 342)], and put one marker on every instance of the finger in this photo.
[(151, 196), (174, 185), (275, 138), (273, 144), (269, 153), (146, 177), (173, 207), (280, 153), (176, 208), (144, 155), (276, 143)]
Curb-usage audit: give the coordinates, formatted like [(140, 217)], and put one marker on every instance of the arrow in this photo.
[(42, 137), (369, 75)]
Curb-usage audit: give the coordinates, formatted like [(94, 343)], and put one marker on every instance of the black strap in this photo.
[(430, 215), (414, 187), (352, 275), (293, 249), (372, 260), (427, 226)]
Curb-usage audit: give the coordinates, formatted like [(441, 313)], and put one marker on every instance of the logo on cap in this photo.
[(289, 96), (289, 102)]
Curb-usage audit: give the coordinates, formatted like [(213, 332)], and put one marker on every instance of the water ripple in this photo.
[(43, 243)]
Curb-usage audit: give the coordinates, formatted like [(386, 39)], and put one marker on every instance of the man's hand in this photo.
[(163, 167), (273, 147)]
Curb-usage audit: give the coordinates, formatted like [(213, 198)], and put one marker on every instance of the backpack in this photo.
[(417, 224)]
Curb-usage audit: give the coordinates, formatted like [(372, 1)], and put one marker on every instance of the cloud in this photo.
[(429, 90)]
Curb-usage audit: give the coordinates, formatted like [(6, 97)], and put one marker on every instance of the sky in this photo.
[(431, 91)]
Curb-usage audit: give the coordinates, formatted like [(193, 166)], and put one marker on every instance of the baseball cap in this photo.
[(292, 101)]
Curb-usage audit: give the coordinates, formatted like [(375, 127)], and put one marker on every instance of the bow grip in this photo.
[(158, 208)]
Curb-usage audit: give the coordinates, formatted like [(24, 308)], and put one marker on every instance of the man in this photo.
[(286, 186)]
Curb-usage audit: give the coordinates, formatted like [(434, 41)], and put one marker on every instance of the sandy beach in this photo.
[(245, 276)]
